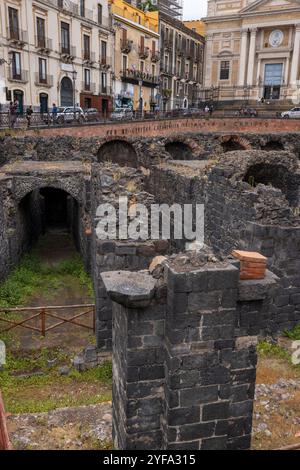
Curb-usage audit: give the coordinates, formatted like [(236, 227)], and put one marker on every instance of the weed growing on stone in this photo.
[(294, 333)]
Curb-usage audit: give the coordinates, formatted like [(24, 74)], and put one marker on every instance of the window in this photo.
[(104, 82), (65, 38), (82, 8), (87, 79), (100, 13), (103, 52), (40, 29), (224, 70), (16, 66), (42, 70), (86, 47), (13, 18), (142, 66), (153, 70), (125, 62)]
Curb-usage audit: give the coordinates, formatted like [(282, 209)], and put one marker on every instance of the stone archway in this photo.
[(230, 143), (118, 151), (179, 150)]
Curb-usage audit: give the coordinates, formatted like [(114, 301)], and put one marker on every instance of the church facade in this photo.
[(252, 50)]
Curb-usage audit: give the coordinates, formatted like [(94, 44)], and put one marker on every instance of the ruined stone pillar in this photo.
[(184, 360)]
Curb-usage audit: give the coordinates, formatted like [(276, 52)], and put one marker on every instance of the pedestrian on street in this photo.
[(29, 113), (12, 114), (54, 113)]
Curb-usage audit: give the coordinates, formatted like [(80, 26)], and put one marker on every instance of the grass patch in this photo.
[(294, 333), (42, 393), (266, 349), (32, 275)]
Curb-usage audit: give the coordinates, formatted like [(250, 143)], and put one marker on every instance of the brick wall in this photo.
[(167, 127)]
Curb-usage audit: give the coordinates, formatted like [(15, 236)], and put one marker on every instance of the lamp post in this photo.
[(141, 98), (74, 76)]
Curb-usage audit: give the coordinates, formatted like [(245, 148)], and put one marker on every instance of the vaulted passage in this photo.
[(273, 145), (277, 176), (231, 145), (47, 210), (118, 151), (179, 151)]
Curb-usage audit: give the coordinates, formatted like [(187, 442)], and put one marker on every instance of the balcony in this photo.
[(88, 87), (168, 45), (105, 63), (126, 46), (136, 76), (166, 69), (67, 52), (88, 56), (18, 76), (105, 90), (155, 57), (17, 36), (66, 6), (43, 44), (46, 80), (144, 52)]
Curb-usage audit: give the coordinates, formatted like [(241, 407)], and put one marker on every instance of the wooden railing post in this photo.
[(43, 322), (4, 437)]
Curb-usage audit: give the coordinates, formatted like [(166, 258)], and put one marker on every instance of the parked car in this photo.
[(92, 115), (293, 113), (70, 114), (122, 113)]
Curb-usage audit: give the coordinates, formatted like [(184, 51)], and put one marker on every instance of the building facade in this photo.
[(136, 57), (252, 49), (56, 51), (181, 65)]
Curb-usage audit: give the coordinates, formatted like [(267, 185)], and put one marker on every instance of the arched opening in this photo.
[(118, 151), (50, 211), (66, 92), (179, 151), (274, 175), (231, 145), (273, 145)]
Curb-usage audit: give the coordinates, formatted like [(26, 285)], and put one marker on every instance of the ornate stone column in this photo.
[(295, 58), (251, 56), (243, 57)]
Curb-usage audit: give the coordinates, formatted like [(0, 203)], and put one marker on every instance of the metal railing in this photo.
[(67, 50), (21, 76), (105, 90), (16, 34), (45, 80), (88, 87), (42, 42), (88, 56), (126, 45), (105, 62)]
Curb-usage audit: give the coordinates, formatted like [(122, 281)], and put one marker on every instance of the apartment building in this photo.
[(136, 79), (181, 64), (56, 51)]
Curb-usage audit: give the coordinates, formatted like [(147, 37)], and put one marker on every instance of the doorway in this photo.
[(19, 97), (43, 103), (273, 81), (66, 92)]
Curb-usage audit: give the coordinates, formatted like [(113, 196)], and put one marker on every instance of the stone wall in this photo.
[(184, 366)]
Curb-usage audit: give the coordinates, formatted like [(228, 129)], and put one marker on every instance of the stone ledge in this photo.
[(256, 289), (131, 289)]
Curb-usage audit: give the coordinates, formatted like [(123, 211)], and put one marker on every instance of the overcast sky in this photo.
[(194, 9)]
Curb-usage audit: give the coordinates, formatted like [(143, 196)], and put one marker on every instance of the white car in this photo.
[(122, 113), (70, 114), (291, 114)]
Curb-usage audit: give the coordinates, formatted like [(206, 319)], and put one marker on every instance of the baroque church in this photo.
[(252, 49)]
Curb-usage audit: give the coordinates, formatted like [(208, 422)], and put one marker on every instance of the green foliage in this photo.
[(31, 275), (294, 333), (267, 349)]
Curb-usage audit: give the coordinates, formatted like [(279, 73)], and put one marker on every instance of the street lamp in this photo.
[(74, 76), (141, 98)]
